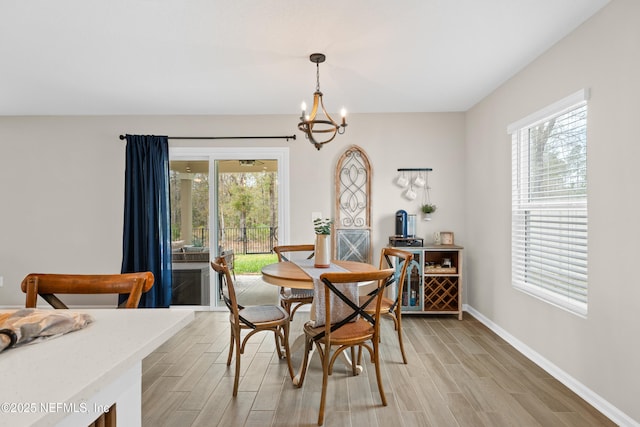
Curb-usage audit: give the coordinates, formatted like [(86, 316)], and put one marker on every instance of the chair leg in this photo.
[(353, 360), (287, 351), (376, 361), (231, 346), (399, 327), (394, 317), (278, 337), (236, 379), (305, 360), (292, 312), (325, 380)]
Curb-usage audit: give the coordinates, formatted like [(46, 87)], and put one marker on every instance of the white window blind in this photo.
[(549, 204)]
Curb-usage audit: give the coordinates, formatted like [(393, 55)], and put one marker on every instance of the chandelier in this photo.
[(317, 129)]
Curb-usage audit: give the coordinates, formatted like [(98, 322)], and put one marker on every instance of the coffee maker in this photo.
[(405, 231), (401, 223)]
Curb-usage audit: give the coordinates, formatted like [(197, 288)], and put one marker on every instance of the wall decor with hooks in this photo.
[(412, 179)]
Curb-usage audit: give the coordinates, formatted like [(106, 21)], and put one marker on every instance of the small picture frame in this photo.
[(446, 237)]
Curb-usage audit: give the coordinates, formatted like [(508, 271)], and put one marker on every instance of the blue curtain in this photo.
[(146, 243)]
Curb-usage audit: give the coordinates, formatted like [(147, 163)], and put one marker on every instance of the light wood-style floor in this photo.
[(459, 374)]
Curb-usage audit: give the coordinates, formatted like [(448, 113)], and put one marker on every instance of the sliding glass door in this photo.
[(224, 201)]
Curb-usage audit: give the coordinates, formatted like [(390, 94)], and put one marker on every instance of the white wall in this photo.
[(63, 179), (602, 351)]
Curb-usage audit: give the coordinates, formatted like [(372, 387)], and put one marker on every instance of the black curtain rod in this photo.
[(226, 137), (415, 170)]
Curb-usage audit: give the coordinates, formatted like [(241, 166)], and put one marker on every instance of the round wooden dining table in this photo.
[(289, 275)]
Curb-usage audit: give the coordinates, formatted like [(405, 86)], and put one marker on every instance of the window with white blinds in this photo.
[(549, 204)]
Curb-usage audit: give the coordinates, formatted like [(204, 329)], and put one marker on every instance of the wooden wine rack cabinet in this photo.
[(438, 286)]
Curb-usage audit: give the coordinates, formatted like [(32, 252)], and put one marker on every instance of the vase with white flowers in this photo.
[(322, 227)]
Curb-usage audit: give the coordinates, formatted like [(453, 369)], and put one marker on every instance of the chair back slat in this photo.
[(48, 286), (285, 252), (228, 290), (221, 267)]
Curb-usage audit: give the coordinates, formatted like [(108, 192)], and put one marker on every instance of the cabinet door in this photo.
[(411, 296)]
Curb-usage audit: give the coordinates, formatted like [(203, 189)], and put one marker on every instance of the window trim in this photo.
[(556, 109), (550, 110)]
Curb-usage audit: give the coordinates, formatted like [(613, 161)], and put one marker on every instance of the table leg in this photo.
[(347, 361)]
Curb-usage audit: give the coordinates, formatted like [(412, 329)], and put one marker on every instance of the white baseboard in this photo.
[(602, 405)]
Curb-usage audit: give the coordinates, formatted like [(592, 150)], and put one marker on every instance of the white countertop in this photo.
[(73, 367)]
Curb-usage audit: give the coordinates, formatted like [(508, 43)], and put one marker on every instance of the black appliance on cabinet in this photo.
[(402, 237), (401, 223)]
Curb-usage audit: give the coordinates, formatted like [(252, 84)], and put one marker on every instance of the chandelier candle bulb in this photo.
[(343, 113)]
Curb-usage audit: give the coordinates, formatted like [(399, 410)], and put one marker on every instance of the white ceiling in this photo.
[(252, 56)]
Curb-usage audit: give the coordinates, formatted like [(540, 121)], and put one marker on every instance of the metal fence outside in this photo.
[(249, 240), (246, 240)]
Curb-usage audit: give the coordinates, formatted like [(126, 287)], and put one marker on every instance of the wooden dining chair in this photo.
[(253, 318), (292, 299), (390, 306), (48, 285), (348, 327)]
